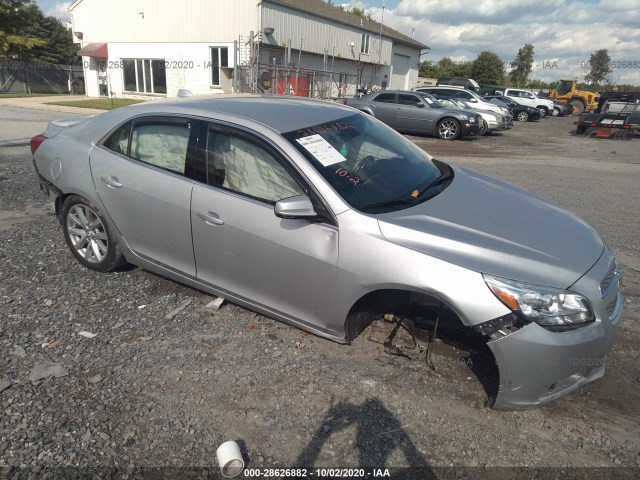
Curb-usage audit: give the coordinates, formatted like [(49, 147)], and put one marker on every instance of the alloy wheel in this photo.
[(87, 233)]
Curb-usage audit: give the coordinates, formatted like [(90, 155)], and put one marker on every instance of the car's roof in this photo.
[(457, 87), (280, 112)]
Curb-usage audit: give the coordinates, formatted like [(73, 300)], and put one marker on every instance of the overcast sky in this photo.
[(563, 32)]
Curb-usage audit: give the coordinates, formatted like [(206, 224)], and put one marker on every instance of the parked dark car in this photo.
[(417, 112), (520, 112), (561, 109)]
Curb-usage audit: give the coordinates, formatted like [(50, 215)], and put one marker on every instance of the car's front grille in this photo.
[(608, 281), (611, 307), (610, 290)]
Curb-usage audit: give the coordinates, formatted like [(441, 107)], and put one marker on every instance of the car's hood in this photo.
[(492, 227)]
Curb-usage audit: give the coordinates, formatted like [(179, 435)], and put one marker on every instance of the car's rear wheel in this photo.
[(448, 129), (523, 116), (555, 112), (88, 235), (543, 112)]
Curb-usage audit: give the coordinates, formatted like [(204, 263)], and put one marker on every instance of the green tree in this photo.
[(428, 69), (521, 65), (15, 18), (599, 67), (26, 34), (488, 68), (59, 47)]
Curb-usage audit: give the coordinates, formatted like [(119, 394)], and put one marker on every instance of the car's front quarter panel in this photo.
[(369, 262)]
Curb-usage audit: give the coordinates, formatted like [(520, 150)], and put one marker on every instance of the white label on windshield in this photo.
[(321, 149)]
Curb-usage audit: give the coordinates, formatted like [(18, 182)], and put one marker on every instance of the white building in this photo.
[(134, 48)]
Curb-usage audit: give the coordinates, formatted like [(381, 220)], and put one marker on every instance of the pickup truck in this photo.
[(530, 100)]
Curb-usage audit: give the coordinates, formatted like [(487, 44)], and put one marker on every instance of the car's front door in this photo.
[(287, 266), (141, 175)]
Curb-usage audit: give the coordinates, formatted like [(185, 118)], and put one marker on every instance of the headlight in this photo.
[(551, 308), (464, 117)]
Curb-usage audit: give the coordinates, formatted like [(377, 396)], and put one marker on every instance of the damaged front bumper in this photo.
[(537, 365)]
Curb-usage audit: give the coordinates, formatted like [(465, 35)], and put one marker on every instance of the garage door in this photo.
[(400, 71)]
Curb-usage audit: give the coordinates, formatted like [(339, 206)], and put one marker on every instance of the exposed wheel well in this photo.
[(399, 302)]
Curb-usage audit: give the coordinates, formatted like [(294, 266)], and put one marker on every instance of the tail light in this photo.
[(36, 142)]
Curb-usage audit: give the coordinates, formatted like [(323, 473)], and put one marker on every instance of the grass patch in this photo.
[(99, 103), (23, 95)]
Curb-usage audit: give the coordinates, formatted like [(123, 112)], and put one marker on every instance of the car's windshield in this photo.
[(502, 101), (432, 101), (451, 103), (371, 167)]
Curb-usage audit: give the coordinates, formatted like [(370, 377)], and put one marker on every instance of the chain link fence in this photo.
[(279, 71), (40, 77), (301, 82)]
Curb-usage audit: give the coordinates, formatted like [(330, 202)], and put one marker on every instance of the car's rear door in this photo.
[(287, 266), (413, 114), (384, 107), (141, 173)]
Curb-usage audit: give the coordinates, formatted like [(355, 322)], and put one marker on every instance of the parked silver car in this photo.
[(319, 215), (415, 112), (491, 121)]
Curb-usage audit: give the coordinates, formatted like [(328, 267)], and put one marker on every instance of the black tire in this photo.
[(523, 116), (580, 130), (578, 107), (448, 129), (555, 112), (88, 235), (543, 112)]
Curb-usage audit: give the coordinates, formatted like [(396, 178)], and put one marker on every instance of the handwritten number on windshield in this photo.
[(345, 174)]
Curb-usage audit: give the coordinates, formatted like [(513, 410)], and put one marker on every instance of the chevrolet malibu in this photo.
[(321, 216)]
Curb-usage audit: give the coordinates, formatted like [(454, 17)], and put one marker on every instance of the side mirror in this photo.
[(419, 104), (295, 207)]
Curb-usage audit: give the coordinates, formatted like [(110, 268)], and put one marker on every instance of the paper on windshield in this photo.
[(322, 150)]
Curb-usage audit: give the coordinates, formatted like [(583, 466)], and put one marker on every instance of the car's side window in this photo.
[(118, 141), (239, 165), (408, 99), (163, 145), (385, 98)]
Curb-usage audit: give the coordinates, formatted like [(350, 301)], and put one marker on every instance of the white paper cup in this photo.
[(230, 459)]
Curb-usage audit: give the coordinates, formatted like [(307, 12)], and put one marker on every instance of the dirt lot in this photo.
[(167, 379)]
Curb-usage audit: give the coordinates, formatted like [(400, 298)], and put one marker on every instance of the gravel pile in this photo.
[(128, 370)]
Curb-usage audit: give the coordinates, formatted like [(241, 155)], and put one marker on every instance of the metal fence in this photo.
[(286, 74), (40, 77), (295, 81)]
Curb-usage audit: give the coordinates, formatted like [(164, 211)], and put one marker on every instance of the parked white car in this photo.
[(530, 100), (459, 93), (491, 121)]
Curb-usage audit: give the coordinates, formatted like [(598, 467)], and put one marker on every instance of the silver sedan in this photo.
[(321, 216)]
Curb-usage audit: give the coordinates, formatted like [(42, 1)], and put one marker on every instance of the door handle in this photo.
[(111, 182), (211, 218)]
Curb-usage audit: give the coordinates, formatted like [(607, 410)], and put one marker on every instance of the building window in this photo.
[(219, 59), (364, 45), (144, 75)]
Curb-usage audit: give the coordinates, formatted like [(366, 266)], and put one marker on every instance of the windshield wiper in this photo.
[(448, 175), (388, 203)]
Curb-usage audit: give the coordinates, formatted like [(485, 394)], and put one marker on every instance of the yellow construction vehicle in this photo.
[(567, 92)]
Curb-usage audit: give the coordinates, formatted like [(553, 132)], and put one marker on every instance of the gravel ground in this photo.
[(128, 369)]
